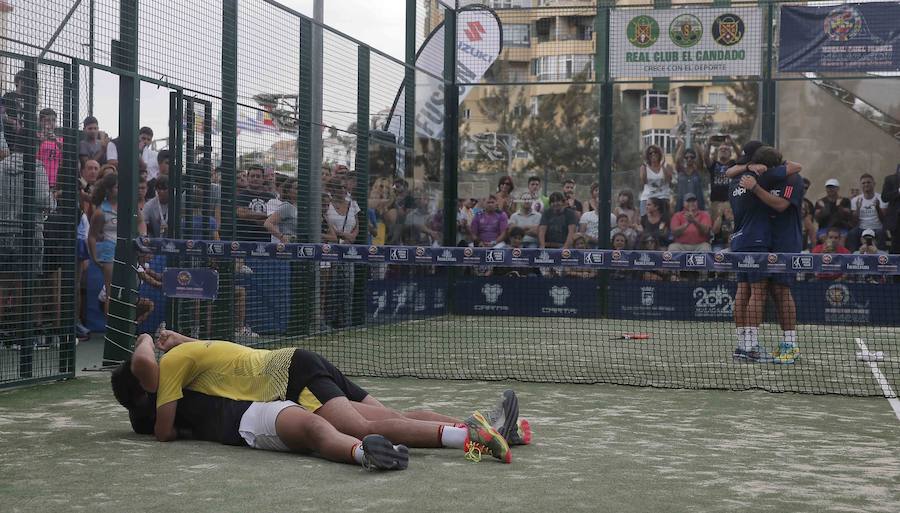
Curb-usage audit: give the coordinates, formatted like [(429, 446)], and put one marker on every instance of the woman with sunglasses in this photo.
[(504, 197)]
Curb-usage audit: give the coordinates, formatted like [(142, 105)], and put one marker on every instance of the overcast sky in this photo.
[(382, 28)]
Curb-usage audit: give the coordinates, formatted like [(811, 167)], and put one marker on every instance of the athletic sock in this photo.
[(358, 454), (739, 334), (753, 336), (453, 436), (790, 337), (746, 344)]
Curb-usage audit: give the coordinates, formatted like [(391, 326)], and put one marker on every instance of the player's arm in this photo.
[(736, 170), (164, 429), (143, 363), (793, 167), (772, 201)]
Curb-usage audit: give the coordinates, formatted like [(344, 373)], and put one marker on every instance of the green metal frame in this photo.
[(360, 278), (304, 276), (120, 326)]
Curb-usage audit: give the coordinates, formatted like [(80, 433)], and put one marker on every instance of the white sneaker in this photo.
[(102, 295), (245, 331)]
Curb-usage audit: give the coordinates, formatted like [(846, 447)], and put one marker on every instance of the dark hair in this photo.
[(162, 156), (569, 181), (126, 387), (251, 167), (47, 112), (834, 229), (146, 130), (162, 182), (652, 148), (866, 175), (628, 194), (506, 179), (690, 151), (491, 196), (557, 196), (101, 188), (516, 231), (620, 216), (767, 156), (23, 75), (90, 120), (534, 179)]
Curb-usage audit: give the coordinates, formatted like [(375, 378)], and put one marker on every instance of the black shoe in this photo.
[(381, 454)]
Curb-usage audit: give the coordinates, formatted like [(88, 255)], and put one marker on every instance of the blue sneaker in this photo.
[(786, 354)]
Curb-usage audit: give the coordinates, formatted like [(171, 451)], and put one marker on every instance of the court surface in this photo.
[(677, 354), (68, 447)]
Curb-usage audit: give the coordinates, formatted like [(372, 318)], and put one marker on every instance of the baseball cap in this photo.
[(868, 232), (832, 182), (748, 150), (690, 197)]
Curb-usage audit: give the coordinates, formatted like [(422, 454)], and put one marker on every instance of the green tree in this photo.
[(745, 98)]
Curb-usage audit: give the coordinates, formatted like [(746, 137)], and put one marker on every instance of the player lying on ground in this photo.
[(320, 381), (277, 425), (767, 197)]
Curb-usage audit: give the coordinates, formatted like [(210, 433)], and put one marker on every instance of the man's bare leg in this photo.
[(303, 431)]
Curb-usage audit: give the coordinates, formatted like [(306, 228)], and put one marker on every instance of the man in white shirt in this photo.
[(145, 149), (528, 220), (868, 211)]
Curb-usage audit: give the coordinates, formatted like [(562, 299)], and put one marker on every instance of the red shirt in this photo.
[(820, 248), (691, 234)]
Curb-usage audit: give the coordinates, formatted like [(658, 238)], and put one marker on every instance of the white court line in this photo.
[(886, 389)]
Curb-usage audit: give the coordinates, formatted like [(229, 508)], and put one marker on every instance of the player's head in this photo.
[(748, 150), (767, 156), (141, 405)]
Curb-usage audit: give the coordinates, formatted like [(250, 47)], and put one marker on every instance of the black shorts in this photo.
[(313, 381)]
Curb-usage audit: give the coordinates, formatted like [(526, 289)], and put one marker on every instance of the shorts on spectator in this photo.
[(106, 251), (752, 277), (258, 425), (82, 249), (782, 278)]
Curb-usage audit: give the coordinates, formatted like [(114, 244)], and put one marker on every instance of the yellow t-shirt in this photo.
[(223, 369)]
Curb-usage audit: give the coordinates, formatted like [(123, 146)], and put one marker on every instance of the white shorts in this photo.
[(258, 425)]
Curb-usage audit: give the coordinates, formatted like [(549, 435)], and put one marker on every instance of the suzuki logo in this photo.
[(474, 31)]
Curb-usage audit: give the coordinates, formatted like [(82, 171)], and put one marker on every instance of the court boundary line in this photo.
[(886, 389)]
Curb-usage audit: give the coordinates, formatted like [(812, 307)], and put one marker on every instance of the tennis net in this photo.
[(582, 316)]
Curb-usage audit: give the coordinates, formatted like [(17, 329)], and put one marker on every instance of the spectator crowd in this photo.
[(681, 206)]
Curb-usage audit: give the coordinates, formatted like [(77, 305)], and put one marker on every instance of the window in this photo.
[(535, 105), (655, 102), (562, 67), (661, 138), (467, 114), (507, 4), (720, 100), (516, 35)]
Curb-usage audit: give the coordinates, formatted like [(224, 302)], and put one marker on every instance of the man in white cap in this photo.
[(833, 211)]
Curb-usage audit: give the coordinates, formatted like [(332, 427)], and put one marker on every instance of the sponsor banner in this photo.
[(532, 257), (818, 302), (190, 283), (478, 44), (530, 297), (398, 300), (838, 38), (689, 41)]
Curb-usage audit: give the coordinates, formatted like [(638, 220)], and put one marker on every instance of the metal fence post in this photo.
[(604, 178), (358, 316), (305, 297)]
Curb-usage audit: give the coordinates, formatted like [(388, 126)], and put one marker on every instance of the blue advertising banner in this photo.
[(398, 300), (528, 297), (849, 37), (721, 261), (190, 283)]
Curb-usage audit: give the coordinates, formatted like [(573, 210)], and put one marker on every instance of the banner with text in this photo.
[(686, 42), (849, 37)]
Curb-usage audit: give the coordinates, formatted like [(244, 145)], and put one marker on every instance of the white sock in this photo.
[(790, 337), (753, 336), (453, 436), (358, 454), (739, 333)]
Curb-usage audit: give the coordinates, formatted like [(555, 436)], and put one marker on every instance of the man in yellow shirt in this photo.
[(228, 370)]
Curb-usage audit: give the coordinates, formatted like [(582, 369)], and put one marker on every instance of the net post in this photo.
[(358, 314), (451, 144), (601, 63), (309, 213), (409, 84), (120, 328), (769, 106), (224, 306)]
